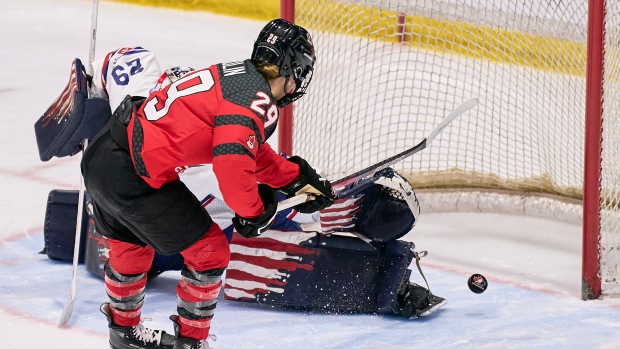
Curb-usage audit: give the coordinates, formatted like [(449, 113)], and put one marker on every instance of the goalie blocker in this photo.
[(71, 118)]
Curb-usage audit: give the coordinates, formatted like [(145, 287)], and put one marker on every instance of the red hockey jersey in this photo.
[(220, 115)]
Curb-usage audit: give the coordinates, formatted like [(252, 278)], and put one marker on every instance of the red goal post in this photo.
[(544, 141)]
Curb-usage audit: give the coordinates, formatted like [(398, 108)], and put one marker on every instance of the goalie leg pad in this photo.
[(60, 224), (59, 236), (310, 271)]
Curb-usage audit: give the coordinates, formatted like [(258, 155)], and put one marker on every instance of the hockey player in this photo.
[(220, 115)]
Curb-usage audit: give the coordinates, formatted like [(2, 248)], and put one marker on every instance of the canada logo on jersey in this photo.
[(251, 142)]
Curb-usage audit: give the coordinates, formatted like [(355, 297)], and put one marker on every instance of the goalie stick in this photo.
[(340, 184), (68, 309)]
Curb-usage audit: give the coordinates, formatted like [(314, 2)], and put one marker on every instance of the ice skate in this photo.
[(188, 343), (416, 301), (133, 337)]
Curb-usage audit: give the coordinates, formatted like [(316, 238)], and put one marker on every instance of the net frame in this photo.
[(590, 197)]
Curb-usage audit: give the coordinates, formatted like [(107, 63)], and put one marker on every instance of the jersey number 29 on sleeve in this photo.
[(271, 115), (200, 81)]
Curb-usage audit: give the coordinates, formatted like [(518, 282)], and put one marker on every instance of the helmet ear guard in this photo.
[(289, 47)]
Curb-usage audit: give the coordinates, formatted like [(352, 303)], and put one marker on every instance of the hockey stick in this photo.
[(68, 309), (339, 185), (292, 201), (370, 170)]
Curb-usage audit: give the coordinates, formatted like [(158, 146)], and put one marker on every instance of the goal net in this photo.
[(389, 71)]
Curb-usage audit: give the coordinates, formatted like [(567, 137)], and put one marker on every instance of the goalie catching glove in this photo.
[(252, 227), (310, 182), (381, 208)]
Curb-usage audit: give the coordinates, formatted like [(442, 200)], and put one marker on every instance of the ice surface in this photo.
[(533, 265)]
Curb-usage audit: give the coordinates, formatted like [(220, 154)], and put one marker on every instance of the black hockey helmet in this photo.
[(289, 47)]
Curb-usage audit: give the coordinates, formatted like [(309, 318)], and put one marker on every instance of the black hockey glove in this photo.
[(312, 183), (252, 227)]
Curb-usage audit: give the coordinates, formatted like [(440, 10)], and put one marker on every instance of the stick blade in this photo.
[(453, 115), (66, 313)]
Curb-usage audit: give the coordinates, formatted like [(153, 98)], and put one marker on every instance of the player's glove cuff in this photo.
[(252, 227)]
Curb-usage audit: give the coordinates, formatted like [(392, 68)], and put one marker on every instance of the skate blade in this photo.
[(431, 309)]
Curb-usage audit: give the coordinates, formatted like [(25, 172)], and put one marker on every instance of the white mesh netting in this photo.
[(388, 72)]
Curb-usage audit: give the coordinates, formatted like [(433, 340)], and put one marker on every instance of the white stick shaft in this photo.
[(370, 170), (293, 201), (93, 36), (68, 309)]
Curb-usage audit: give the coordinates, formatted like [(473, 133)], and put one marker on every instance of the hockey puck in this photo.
[(477, 283)]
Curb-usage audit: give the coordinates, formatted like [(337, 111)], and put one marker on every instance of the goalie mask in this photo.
[(381, 208), (289, 47)]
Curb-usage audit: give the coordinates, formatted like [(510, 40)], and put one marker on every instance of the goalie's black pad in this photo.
[(59, 228), (97, 248), (59, 236), (310, 271), (71, 118)]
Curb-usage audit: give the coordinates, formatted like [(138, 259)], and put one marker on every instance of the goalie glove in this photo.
[(310, 182), (381, 208), (252, 227)]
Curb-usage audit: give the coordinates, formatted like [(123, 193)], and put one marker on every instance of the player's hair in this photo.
[(267, 70)]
